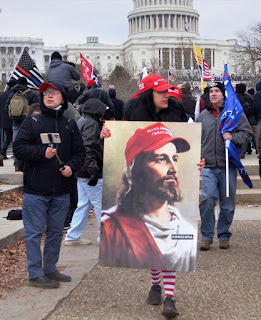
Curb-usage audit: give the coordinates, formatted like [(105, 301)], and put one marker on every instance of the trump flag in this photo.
[(229, 121)]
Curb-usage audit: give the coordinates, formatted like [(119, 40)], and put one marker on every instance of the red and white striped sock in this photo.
[(169, 281), (155, 277)]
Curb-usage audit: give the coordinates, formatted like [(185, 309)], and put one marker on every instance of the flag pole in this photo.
[(17, 61), (227, 166), (227, 174)]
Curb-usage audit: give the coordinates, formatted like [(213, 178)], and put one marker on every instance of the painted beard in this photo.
[(164, 190)]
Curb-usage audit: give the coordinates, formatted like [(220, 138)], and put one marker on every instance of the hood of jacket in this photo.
[(55, 62), (18, 87), (112, 93), (240, 88), (258, 86), (94, 108)]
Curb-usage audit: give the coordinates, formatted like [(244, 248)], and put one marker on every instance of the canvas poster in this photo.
[(150, 195)]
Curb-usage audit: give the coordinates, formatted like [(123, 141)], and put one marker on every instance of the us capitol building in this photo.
[(161, 37)]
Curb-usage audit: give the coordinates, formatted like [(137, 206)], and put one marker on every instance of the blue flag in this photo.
[(230, 117)]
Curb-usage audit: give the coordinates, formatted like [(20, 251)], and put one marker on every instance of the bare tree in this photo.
[(247, 56)]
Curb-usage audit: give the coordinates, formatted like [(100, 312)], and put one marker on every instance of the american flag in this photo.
[(27, 68), (206, 73), (187, 26), (171, 77)]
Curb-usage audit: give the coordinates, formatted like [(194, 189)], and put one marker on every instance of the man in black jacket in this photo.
[(6, 122), (89, 177), (47, 182)]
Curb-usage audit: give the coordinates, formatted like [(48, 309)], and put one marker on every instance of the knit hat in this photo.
[(56, 55), (219, 85), (22, 80), (153, 81), (152, 138), (11, 83)]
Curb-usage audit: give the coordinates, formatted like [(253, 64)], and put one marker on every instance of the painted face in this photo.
[(52, 98), (161, 168), (160, 100), (216, 97)]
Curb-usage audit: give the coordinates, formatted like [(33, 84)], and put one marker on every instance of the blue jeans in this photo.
[(258, 127), (213, 188), (15, 128), (88, 196), (40, 211)]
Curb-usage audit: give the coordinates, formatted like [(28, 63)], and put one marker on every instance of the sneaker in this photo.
[(154, 296), (57, 276), (205, 244), (67, 227), (79, 242), (44, 282), (224, 244), (169, 310)]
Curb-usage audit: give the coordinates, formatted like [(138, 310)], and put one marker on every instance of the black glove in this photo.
[(93, 180), (260, 168)]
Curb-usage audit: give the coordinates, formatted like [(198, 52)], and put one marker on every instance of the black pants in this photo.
[(73, 202), (8, 134)]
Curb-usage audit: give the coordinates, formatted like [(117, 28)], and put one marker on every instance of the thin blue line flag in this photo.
[(230, 117)]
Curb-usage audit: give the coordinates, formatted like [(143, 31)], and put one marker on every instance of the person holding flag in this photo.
[(214, 133)]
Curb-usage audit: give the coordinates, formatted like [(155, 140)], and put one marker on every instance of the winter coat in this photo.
[(189, 103), (6, 122), (212, 142), (118, 104), (30, 95), (42, 175), (63, 73), (72, 113), (100, 94), (90, 127), (246, 102), (257, 101), (136, 110)]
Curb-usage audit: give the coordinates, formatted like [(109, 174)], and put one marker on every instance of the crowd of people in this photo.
[(60, 148)]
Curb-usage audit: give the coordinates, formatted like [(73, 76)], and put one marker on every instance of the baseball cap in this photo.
[(175, 92), (54, 85), (152, 138), (90, 82), (153, 81)]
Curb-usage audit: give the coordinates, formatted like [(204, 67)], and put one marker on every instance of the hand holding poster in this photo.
[(150, 211)]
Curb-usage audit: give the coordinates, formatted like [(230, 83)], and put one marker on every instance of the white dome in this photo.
[(163, 18)]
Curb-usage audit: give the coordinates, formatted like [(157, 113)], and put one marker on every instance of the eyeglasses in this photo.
[(52, 92)]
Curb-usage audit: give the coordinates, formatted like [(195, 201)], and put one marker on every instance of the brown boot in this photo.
[(205, 244), (1, 160), (224, 244)]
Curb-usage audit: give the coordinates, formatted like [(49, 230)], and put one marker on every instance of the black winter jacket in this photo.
[(90, 127), (257, 101), (6, 122), (136, 110), (42, 175)]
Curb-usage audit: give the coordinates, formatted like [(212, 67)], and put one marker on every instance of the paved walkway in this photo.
[(226, 284)]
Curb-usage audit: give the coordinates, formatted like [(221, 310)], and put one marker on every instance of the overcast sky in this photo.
[(62, 22)]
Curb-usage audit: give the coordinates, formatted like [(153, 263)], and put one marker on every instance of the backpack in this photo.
[(14, 215), (19, 106)]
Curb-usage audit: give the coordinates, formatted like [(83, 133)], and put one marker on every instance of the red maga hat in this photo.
[(153, 81), (90, 82), (175, 92), (152, 138)]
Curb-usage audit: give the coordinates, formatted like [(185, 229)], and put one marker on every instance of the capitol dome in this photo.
[(163, 18)]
